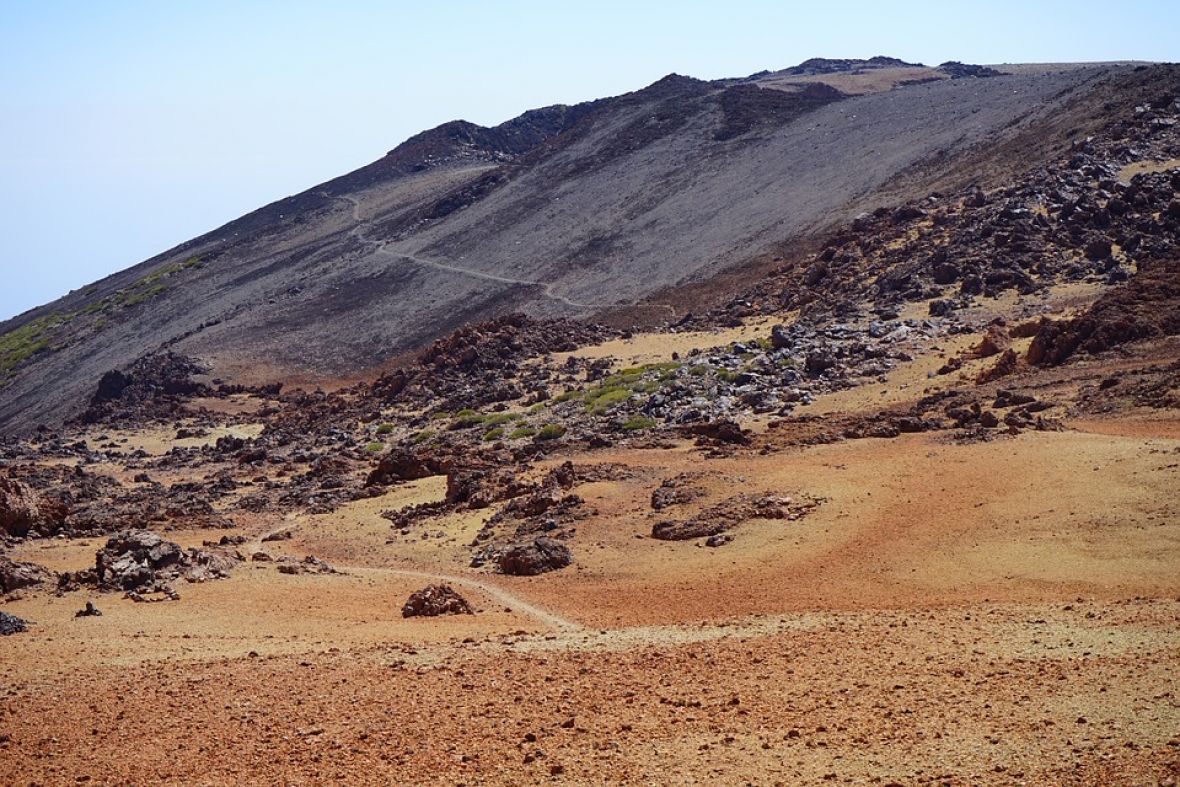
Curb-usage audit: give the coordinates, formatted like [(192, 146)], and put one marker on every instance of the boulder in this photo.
[(780, 338), (11, 624), (15, 575), (995, 341), (1005, 365), (543, 554), (721, 431), (22, 510), (140, 560), (683, 530), (434, 600), (89, 611), (1098, 249), (404, 465)]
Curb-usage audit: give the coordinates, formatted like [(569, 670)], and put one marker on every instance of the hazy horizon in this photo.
[(132, 127)]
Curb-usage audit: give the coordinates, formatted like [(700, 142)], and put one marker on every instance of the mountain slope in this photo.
[(565, 211)]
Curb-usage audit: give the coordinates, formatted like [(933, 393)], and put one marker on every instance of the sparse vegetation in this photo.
[(605, 398), (551, 432), (495, 433), (423, 436), (384, 428), (496, 419), (34, 337), (638, 422), (621, 385), (374, 447), (470, 418), (522, 431)]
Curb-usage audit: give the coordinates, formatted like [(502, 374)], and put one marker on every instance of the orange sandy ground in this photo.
[(985, 613)]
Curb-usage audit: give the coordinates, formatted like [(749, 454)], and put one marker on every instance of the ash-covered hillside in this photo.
[(632, 209)]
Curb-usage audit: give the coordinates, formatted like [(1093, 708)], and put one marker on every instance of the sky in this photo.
[(129, 127)]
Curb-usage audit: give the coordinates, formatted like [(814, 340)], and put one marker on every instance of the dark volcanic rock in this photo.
[(959, 70), (1147, 306), (435, 600), (89, 611), (11, 624), (723, 431), (15, 575), (404, 465), (23, 510), (155, 387), (142, 561), (727, 514), (673, 491), (542, 555), (1005, 365), (111, 386), (309, 565), (683, 530)]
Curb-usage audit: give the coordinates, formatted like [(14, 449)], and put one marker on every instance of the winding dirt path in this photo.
[(495, 592), (358, 232), (498, 593)]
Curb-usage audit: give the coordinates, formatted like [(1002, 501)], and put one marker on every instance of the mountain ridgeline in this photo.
[(629, 210)]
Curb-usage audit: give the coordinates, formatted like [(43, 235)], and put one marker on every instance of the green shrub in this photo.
[(421, 437), (374, 447), (18, 345), (551, 432), (522, 431), (565, 396), (638, 422), (496, 419), (599, 401), (384, 428), (495, 433), (465, 421)]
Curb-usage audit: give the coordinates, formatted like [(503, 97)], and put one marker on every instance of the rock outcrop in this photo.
[(541, 555), (11, 624), (15, 575), (434, 600), (141, 561)]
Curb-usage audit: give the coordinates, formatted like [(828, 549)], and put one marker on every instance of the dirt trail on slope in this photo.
[(381, 247), (498, 593), (493, 591)]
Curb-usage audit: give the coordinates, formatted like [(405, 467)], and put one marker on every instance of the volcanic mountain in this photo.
[(630, 210), (839, 437)]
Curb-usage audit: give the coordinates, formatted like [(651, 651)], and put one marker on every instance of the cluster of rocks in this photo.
[(17, 575), (434, 600), (310, 564), (713, 522), (1071, 220), (154, 388), (39, 500), (673, 491), (705, 391), (1147, 307), (157, 388), (11, 624), (140, 562)]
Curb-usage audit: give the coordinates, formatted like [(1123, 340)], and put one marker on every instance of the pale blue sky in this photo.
[(128, 127)]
